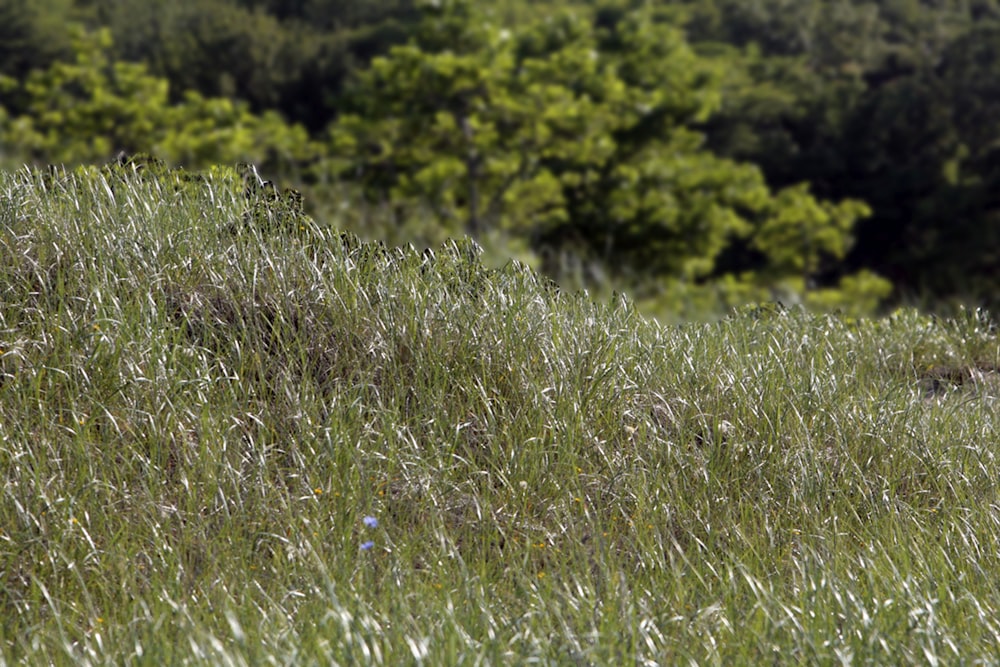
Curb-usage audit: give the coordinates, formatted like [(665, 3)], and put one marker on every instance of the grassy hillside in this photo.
[(229, 435)]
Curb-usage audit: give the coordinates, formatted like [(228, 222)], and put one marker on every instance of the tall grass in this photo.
[(197, 414)]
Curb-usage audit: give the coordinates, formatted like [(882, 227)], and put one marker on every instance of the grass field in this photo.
[(227, 443)]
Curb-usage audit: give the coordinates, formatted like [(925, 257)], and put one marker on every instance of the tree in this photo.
[(888, 102), (288, 56), (33, 34), (88, 109), (577, 135)]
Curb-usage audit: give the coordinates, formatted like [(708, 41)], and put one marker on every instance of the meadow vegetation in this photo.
[(230, 434)]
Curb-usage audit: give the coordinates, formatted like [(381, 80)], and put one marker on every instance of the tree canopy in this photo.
[(89, 109), (666, 147), (579, 135)]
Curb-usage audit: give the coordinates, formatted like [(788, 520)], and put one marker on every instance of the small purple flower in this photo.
[(365, 546), (370, 521)]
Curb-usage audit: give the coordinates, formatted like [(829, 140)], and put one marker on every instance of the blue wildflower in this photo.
[(370, 521), (365, 546)]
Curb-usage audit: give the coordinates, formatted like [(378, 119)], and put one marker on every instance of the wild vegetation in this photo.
[(694, 154), (232, 434)]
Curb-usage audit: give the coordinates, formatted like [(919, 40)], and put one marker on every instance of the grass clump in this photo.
[(229, 442)]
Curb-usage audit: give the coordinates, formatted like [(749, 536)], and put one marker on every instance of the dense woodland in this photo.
[(839, 152)]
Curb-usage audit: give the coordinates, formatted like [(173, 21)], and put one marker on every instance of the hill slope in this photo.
[(206, 397)]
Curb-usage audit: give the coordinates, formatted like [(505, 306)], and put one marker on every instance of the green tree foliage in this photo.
[(891, 102), (213, 47), (288, 56), (579, 136), (33, 34), (88, 109), (334, 14), (925, 153)]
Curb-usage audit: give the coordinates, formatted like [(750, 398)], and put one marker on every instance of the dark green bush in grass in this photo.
[(197, 416)]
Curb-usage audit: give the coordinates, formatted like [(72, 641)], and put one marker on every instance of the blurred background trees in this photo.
[(874, 101), (695, 151)]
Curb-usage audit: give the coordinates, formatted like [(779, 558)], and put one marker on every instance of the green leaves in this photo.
[(86, 110), (580, 136), (495, 126), (800, 230), (577, 135)]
